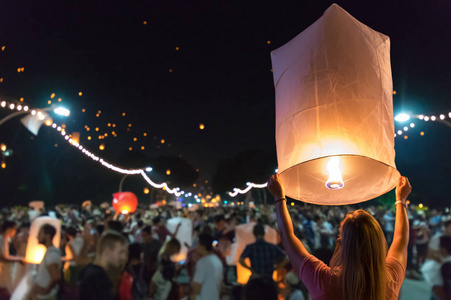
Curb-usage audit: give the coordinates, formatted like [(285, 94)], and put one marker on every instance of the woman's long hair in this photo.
[(359, 257)]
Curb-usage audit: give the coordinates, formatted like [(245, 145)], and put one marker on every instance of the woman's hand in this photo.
[(403, 189), (275, 187)]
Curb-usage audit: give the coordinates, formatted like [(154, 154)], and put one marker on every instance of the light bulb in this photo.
[(335, 180)]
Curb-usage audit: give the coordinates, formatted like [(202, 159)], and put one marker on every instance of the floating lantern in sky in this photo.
[(102, 147), (201, 126), (80, 94), (334, 112), (125, 202), (168, 172)]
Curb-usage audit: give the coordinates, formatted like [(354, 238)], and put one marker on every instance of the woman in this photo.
[(8, 231), (361, 267), (163, 280)]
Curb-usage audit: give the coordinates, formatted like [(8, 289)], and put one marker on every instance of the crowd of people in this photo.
[(107, 255)]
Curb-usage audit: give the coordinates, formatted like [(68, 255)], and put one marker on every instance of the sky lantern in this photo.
[(334, 112), (125, 202), (184, 235), (201, 126), (35, 252)]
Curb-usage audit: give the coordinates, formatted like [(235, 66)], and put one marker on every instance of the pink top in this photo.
[(323, 285)]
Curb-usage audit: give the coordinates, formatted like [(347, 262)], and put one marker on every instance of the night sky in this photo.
[(173, 65)]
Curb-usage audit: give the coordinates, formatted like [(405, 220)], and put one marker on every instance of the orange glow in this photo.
[(201, 126), (80, 94), (206, 181), (408, 201), (1, 79), (102, 147), (168, 172), (48, 122), (162, 141), (3, 48), (135, 139), (142, 148), (123, 114), (422, 133), (59, 99), (106, 134), (194, 185), (89, 138), (114, 125), (130, 149), (83, 110), (170, 70), (394, 92), (97, 128), (21, 99), (56, 145), (3, 147), (52, 96), (3, 165), (109, 124), (268, 42), (145, 134), (129, 125), (49, 102), (63, 126), (146, 191), (405, 137), (76, 137), (145, 22), (177, 48)]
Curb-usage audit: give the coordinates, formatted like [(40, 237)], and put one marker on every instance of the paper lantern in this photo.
[(244, 236), (184, 235), (35, 251), (34, 122), (125, 202), (334, 112)]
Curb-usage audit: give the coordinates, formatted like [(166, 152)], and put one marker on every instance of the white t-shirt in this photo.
[(52, 256), (209, 272)]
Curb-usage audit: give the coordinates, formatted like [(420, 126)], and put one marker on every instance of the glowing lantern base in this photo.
[(308, 180)]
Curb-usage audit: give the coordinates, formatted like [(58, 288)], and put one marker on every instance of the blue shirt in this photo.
[(263, 256)]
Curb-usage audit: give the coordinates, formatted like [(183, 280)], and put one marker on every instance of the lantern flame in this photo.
[(124, 212), (335, 180)]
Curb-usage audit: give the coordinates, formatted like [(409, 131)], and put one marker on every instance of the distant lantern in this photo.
[(125, 202), (123, 114), (80, 93), (102, 147), (145, 22), (52, 95), (35, 251), (89, 138), (168, 172), (162, 141), (422, 133), (334, 112), (48, 122), (201, 126), (146, 190), (142, 148)]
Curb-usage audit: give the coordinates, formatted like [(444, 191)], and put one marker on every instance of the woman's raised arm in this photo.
[(398, 249), (293, 246)]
